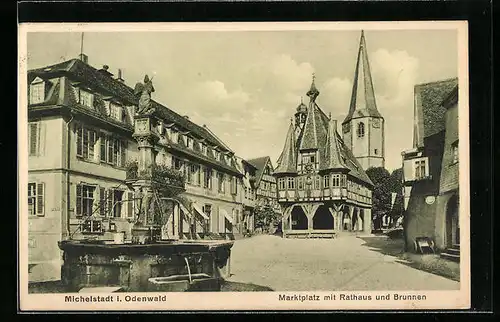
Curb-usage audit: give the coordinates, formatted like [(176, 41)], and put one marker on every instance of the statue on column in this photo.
[(145, 89)]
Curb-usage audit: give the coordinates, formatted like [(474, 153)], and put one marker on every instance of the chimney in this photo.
[(84, 58), (186, 117), (120, 78), (105, 71)]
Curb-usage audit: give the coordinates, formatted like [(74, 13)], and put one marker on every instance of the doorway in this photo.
[(452, 222), (323, 219), (299, 219)]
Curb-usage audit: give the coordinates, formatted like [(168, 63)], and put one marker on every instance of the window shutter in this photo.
[(92, 141), (426, 162), (103, 148), (109, 209), (123, 153), (33, 138), (79, 139), (102, 201), (78, 200), (130, 204), (40, 204)]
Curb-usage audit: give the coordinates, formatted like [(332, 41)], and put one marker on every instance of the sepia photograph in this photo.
[(273, 165)]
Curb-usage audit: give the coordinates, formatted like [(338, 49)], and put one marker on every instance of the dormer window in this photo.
[(361, 130), (86, 98), (115, 111), (203, 149), (37, 91)]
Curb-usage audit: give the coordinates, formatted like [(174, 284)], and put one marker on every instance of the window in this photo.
[(113, 150), (311, 159), (291, 183), (84, 199), (375, 151), (117, 203), (361, 130), (203, 149), (343, 180), (420, 169), (281, 183), (454, 151), (37, 91), (189, 142), (194, 174), (207, 183), (317, 182), (300, 183), (34, 138), (336, 180), (180, 138), (124, 118), (115, 111), (234, 185), (85, 142), (220, 182), (326, 181), (346, 128), (177, 163), (86, 98), (36, 198)]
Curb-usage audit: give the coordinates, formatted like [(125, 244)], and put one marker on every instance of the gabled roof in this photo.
[(429, 112), (260, 164), (363, 96), (288, 159), (101, 82)]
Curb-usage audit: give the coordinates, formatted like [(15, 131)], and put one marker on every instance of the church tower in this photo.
[(363, 127)]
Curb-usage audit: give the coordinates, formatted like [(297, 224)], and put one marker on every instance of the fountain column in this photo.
[(146, 139)]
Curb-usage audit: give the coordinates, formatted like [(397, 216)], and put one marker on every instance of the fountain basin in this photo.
[(139, 268)]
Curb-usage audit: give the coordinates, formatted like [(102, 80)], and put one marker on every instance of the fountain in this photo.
[(148, 261)]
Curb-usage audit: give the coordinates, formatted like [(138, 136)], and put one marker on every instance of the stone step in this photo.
[(456, 246), (453, 251), (451, 257)]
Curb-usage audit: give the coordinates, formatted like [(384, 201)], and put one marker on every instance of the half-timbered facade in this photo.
[(322, 188)]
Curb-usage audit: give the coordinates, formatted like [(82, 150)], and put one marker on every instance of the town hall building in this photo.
[(323, 188)]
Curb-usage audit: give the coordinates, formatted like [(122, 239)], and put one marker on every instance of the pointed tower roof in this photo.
[(302, 108), (309, 138), (363, 96), (333, 157), (313, 91), (288, 159)]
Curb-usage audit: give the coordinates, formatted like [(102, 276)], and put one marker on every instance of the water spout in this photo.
[(189, 270)]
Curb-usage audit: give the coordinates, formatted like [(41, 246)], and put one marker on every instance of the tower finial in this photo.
[(313, 91), (330, 115), (301, 99)]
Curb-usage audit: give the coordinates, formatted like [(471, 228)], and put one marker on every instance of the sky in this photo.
[(246, 85)]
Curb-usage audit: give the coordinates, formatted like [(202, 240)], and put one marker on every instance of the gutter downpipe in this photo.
[(68, 166)]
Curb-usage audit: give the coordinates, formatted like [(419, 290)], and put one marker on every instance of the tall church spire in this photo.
[(363, 96), (288, 159)]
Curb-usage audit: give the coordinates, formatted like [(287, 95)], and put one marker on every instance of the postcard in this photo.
[(243, 166)]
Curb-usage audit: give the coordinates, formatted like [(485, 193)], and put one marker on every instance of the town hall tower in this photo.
[(363, 127)]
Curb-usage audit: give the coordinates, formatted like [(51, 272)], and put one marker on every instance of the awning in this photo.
[(185, 210), (228, 217), (198, 209)]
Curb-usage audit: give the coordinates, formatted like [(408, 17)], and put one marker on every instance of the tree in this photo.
[(381, 195), (265, 215)]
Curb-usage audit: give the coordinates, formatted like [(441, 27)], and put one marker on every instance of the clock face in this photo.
[(430, 200)]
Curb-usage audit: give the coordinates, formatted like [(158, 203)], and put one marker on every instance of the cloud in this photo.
[(336, 96)]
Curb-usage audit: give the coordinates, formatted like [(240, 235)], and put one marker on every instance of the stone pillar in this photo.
[(351, 213), (367, 220)]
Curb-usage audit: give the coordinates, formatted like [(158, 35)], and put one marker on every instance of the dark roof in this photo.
[(101, 82), (363, 95), (429, 112), (333, 153), (260, 164)]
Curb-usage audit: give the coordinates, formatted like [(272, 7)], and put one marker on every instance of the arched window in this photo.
[(361, 130)]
